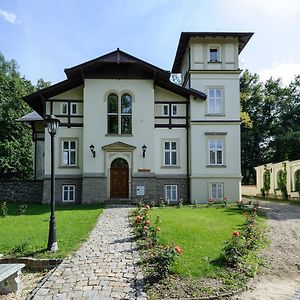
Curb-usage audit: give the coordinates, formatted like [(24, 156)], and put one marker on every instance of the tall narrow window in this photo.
[(119, 114), (213, 54), (64, 108), (170, 149), (166, 110), (126, 105), (215, 152), (69, 153), (217, 191), (112, 114), (214, 101), (174, 110), (171, 192), (74, 110)]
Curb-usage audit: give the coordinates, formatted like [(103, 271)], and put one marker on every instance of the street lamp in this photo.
[(52, 126)]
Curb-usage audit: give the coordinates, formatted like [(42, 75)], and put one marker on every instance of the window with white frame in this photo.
[(119, 114), (69, 153), (165, 110), (214, 101), (170, 153), (64, 108), (214, 53), (68, 193), (216, 191), (74, 109), (171, 192), (174, 109), (216, 152)]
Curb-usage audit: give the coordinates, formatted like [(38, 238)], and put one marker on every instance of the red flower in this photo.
[(254, 209), (148, 222), (147, 207), (211, 199), (145, 228), (138, 219), (235, 233), (167, 247), (178, 250), (157, 228)]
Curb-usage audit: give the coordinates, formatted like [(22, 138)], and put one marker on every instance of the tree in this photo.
[(270, 115), (15, 138)]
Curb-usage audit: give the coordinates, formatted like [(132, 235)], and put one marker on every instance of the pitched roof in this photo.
[(243, 38), (114, 65), (33, 116)]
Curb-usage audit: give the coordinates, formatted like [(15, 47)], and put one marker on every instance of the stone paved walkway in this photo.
[(105, 267)]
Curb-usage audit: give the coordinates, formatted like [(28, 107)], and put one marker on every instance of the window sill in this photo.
[(117, 134), (68, 167), (214, 62), (215, 115), (170, 167), (216, 166), (68, 201)]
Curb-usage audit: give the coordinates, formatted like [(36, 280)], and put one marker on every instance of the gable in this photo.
[(118, 146)]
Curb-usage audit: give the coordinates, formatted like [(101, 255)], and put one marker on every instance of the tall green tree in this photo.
[(270, 130), (15, 138)]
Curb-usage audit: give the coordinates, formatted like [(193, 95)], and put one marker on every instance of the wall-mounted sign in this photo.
[(140, 190)]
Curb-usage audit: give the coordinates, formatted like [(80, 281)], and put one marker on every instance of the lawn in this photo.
[(201, 233), (27, 235)]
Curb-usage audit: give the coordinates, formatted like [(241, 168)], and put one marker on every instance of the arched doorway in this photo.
[(119, 175)]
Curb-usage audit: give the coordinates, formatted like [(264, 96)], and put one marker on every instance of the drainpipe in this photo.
[(188, 152)]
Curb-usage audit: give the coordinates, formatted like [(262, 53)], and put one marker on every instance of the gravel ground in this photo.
[(29, 282), (281, 277)]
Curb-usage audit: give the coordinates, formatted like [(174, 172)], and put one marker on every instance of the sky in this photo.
[(45, 37)]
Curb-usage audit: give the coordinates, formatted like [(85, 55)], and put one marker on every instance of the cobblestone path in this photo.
[(105, 266)]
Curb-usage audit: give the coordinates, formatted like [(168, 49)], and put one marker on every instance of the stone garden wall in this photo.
[(22, 191)]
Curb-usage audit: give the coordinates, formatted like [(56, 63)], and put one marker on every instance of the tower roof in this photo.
[(243, 38)]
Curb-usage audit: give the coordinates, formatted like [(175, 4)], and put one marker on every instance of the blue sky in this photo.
[(45, 37)]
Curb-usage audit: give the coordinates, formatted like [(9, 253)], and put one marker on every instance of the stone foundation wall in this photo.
[(94, 189), (23, 191), (155, 186)]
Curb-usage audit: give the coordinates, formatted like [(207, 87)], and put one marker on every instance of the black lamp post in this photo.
[(52, 126), (144, 150)]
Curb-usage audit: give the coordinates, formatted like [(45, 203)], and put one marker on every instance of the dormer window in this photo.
[(214, 54)]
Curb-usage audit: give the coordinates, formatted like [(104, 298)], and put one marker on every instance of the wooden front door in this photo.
[(119, 176)]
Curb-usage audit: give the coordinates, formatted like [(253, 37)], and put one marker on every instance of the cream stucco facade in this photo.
[(127, 131)]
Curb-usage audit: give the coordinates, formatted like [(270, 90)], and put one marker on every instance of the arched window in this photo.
[(112, 114), (297, 181), (126, 103), (119, 114)]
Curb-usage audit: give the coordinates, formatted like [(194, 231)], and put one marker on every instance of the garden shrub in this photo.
[(22, 209), (162, 257), (4, 209), (267, 181), (281, 181)]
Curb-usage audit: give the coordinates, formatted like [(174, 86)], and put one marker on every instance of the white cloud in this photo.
[(285, 71), (8, 16)]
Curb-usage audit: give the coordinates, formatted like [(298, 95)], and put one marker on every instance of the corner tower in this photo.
[(208, 61)]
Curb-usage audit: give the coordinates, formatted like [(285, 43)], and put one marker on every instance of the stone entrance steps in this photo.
[(119, 201)]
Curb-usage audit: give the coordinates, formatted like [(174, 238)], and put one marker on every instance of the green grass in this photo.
[(27, 235), (201, 233)]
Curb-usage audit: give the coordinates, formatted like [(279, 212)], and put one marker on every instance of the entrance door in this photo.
[(119, 175)]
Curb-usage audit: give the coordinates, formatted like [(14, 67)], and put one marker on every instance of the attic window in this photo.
[(214, 54)]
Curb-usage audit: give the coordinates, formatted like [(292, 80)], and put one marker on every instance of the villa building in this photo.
[(127, 131)]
